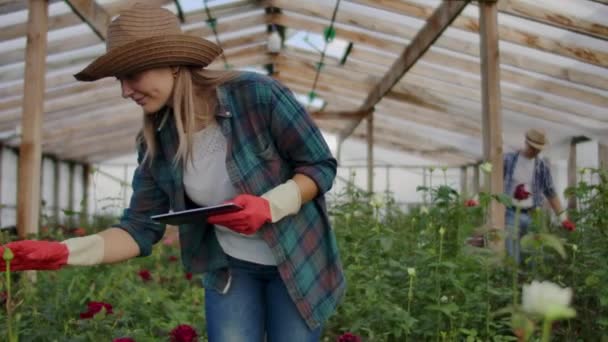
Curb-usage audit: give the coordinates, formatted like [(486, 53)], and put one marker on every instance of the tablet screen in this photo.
[(195, 215)]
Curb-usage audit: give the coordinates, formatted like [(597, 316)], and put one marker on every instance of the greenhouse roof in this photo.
[(553, 71)]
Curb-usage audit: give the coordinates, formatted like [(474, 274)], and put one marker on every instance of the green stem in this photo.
[(546, 330), (487, 267), (9, 315), (515, 241), (437, 283), (410, 294)]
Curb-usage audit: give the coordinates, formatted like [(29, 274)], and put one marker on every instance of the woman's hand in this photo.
[(36, 255), (256, 212)]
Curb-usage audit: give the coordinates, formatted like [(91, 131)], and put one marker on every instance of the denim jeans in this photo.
[(512, 244), (255, 308)]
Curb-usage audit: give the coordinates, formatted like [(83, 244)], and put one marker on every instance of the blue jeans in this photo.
[(512, 243), (256, 306)]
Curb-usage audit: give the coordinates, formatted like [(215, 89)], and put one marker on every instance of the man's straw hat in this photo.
[(536, 138), (145, 37)]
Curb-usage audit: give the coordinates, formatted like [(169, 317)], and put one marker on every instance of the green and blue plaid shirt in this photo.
[(270, 137), (542, 182)]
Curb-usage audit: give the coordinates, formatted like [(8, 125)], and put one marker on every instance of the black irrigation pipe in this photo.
[(328, 35), (180, 12), (212, 22)]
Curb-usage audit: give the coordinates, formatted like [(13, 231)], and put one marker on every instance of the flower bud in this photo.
[(8, 254)]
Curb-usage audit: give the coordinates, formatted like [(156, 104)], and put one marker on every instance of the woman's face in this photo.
[(151, 89)]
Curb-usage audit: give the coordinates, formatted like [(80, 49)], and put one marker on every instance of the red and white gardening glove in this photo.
[(52, 255), (36, 255), (272, 206), (566, 223)]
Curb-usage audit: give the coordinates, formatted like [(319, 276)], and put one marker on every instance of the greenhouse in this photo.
[(273, 170)]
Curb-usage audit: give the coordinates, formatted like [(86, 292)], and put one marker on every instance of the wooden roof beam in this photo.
[(434, 27), (93, 15), (367, 36), (444, 119), (226, 25), (126, 141), (568, 48), (433, 94), (70, 19), (563, 20)]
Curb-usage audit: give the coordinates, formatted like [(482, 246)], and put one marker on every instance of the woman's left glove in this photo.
[(272, 206), (256, 212)]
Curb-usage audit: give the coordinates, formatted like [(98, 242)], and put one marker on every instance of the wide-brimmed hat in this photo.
[(536, 138), (145, 37)]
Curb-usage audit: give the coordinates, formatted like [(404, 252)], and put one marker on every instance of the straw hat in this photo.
[(145, 37), (536, 138)]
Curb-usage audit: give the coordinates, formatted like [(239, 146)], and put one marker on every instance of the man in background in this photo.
[(527, 178)]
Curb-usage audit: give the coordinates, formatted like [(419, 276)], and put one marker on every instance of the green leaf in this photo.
[(448, 309), (503, 199), (386, 243), (422, 188), (544, 239)]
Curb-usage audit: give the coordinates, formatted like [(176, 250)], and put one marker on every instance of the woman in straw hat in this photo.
[(270, 270)]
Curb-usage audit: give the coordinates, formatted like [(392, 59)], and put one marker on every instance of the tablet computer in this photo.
[(196, 215)]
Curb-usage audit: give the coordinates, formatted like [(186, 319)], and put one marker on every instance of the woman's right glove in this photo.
[(52, 255)]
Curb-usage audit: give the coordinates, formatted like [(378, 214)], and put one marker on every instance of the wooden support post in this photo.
[(30, 153), (71, 193), (1, 178), (86, 183), (370, 153), (572, 173), (475, 187), (603, 156), (388, 179), (56, 189), (125, 200), (424, 184), (464, 181), (491, 105), (339, 150)]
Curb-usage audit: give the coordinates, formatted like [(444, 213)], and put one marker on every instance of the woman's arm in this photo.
[(308, 188), (118, 246)]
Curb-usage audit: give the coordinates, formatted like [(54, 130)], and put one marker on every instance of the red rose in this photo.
[(145, 275), (471, 203), (521, 193), (94, 308), (79, 232), (123, 339), (183, 333), (569, 225), (188, 276), (349, 337), (172, 258)]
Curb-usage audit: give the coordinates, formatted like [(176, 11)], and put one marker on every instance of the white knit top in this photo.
[(206, 182)]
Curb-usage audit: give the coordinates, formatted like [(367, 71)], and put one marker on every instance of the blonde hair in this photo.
[(192, 86)]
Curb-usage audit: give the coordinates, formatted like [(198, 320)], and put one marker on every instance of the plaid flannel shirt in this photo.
[(542, 182), (270, 137)]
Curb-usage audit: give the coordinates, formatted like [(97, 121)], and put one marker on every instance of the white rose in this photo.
[(377, 201), (547, 299), (486, 167)]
